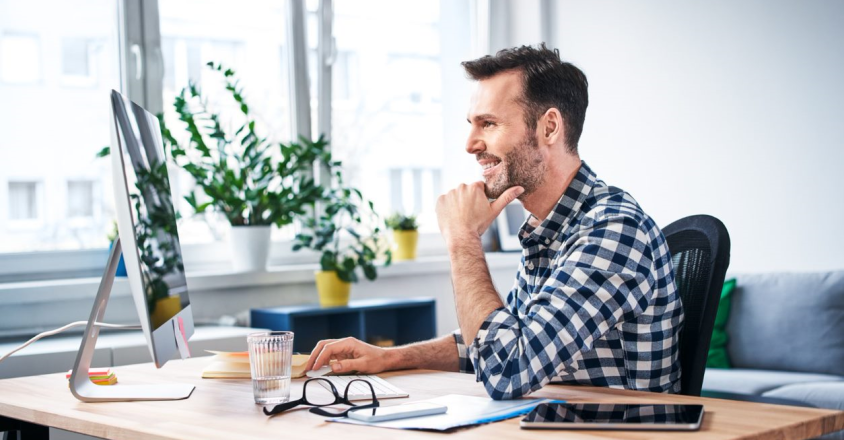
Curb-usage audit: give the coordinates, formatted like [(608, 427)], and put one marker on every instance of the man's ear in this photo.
[(552, 129)]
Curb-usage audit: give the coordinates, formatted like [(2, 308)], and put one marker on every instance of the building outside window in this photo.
[(51, 129), (58, 59), (387, 107)]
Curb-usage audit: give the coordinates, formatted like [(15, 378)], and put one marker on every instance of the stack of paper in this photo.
[(227, 365), (462, 411), (235, 365), (100, 376)]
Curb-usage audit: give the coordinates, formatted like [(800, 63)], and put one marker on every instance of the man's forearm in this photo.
[(436, 354), (474, 294)]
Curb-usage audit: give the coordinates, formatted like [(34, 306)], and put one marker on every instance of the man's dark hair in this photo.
[(547, 82)]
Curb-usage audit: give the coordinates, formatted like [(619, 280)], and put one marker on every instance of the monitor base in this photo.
[(90, 392), (81, 386)]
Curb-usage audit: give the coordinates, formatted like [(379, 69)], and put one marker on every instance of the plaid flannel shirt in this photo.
[(594, 302)]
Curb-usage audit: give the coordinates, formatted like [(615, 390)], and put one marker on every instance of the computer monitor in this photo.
[(149, 240)]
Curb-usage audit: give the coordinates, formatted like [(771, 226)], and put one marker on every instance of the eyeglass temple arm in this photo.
[(282, 407)]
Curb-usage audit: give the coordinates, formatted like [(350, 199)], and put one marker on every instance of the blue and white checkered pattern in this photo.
[(594, 302)]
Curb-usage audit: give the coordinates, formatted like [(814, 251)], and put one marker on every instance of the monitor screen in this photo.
[(152, 216)]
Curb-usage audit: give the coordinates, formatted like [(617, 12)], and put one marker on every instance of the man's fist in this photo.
[(465, 210)]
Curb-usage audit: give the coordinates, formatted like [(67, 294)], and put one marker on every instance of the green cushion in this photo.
[(717, 357)]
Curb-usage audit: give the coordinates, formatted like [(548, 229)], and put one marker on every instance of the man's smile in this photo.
[(489, 166)]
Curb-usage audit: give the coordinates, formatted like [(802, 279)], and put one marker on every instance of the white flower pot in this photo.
[(250, 247)]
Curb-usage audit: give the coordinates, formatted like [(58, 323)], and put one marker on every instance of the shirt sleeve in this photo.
[(463, 353), (606, 277)]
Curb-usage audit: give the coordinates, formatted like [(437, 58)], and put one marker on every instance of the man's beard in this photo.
[(522, 166)]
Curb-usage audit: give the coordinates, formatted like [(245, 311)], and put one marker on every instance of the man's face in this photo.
[(504, 146)]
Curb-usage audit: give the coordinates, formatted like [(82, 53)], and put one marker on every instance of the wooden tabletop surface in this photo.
[(225, 409)]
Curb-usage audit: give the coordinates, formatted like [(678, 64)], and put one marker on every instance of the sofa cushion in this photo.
[(788, 321), (717, 357), (821, 394), (757, 381)]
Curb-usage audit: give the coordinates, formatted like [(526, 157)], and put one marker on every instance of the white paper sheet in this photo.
[(462, 411)]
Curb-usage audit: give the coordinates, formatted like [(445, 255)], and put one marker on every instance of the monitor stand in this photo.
[(87, 391)]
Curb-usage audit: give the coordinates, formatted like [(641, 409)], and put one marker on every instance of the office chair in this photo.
[(700, 250)]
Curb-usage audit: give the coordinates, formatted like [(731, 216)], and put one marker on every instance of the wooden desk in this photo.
[(224, 409)]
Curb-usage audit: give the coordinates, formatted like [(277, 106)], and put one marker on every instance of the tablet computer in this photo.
[(614, 416)]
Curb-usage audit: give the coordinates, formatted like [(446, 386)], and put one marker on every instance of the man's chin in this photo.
[(494, 191)]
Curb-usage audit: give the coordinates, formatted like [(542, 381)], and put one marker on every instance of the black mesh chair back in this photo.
[(700, 250)]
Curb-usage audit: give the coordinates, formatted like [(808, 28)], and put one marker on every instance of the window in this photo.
[(80, 198), (387, 101), (75, 57), (392, 100), (50, 133), (23, 201), (80, 58), (252, 42), (20, 59)]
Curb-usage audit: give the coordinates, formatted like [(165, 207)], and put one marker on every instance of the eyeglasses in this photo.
[(318, 401)]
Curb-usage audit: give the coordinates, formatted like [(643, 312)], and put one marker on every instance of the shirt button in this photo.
[(530, 265), (547, 241)]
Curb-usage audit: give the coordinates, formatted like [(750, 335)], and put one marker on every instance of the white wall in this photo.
[(730, 108)]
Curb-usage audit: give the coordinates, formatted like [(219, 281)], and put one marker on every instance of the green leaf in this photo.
[(370, 272), (348, 276), (327, 261), (104, 152), (349, 263)]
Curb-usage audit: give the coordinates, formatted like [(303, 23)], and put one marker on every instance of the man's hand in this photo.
[(465, 210), (351, 354)]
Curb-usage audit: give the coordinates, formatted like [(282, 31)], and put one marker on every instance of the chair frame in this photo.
[(696, 232)]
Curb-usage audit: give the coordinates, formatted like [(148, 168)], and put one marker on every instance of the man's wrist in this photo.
[(463, 240), (395, 359)]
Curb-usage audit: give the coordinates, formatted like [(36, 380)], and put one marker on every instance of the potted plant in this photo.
[(345, 229), (253, 182), (405, 235)]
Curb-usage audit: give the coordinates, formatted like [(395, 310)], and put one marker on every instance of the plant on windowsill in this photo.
[(405, 235), (345, 229), (253, 182)]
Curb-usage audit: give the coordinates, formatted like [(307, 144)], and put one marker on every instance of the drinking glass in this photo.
[(270, 359)]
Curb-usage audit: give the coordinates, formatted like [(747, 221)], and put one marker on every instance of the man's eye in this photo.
[(488, 124)]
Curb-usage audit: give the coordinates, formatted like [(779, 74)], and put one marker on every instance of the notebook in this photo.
[(235, 365)]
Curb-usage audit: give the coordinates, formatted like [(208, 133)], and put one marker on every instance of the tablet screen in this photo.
[(590, 413)]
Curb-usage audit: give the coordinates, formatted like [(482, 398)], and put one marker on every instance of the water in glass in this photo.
[(270, 359)]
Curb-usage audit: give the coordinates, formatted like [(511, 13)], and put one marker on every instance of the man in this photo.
[(594, 300)]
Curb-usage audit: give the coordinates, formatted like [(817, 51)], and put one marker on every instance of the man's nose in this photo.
[(475, 145)]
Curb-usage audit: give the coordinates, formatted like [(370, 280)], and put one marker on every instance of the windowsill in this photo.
[(86, 288)]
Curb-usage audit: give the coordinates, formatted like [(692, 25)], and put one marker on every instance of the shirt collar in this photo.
[(564, 211)]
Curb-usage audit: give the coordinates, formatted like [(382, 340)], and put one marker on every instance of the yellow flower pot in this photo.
[(405, 245), (333, 292), (165, 308)]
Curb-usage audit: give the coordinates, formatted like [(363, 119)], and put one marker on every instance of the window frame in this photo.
[(142, 80)]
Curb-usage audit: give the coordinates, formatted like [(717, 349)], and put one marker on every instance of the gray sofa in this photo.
[(786, 339)]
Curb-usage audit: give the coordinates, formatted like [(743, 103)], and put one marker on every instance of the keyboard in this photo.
[(360, 391)]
